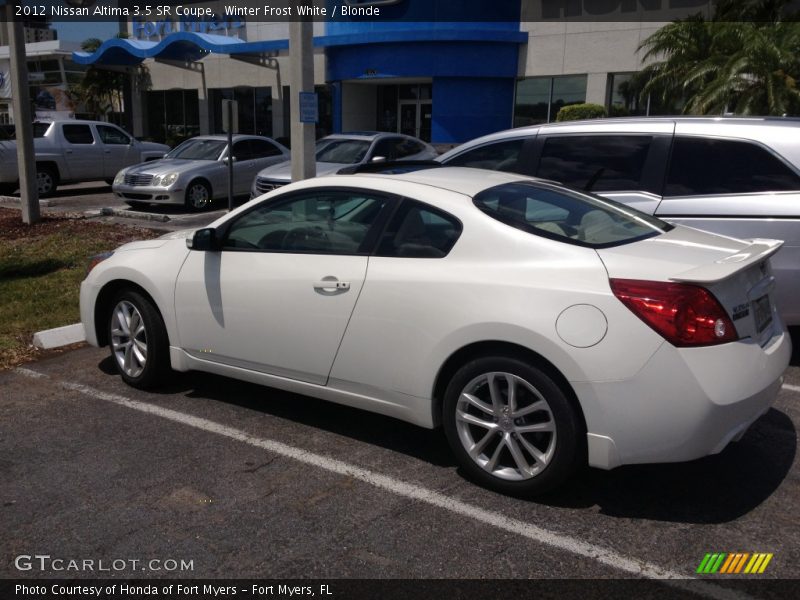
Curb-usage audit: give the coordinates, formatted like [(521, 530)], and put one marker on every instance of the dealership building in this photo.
[(445, 77)]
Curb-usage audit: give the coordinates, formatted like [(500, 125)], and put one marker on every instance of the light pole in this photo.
[(23, 123)]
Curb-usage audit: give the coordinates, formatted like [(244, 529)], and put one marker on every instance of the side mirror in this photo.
[(228, 159), (377, 159), (204, 240)]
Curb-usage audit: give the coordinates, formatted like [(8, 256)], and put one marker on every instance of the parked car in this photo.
[(734, 176), (69, 151), (347, 149), (539, 325), (196, 171)]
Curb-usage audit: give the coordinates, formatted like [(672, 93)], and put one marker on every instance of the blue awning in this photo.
[(183, 46)]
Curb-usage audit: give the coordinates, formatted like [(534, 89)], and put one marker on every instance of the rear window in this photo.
[(567, 215)]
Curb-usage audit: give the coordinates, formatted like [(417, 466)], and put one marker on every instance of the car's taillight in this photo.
[(685, 315)]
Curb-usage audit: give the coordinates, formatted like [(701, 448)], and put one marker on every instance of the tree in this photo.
[(745, 60), (101, 90)]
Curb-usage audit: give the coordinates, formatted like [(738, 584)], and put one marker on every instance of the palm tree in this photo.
[(746, 59)]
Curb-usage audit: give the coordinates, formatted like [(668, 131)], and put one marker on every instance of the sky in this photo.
[(77, 32)]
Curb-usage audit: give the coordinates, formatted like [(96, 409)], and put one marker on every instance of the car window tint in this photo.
[(241, 150), (321, 223), (112, 135), (419, 231), (713, 166), (347, 152), (500, 156), (40, 129), (262, 149), (601, 162), (78, 134), (567, 215)]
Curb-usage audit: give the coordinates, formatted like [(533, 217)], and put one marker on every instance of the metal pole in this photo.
[(230, 155), (21, 102), (301, 79)]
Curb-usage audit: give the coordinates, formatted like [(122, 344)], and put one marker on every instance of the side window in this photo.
[(112, 135), (241, 150), (78, 134), (500, 156), (387, 148), (712, 166), (263, 149), (419, 231), (607, 162), (408, 148), (321, 222)]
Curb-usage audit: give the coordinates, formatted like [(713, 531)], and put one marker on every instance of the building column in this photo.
[(596, 84)]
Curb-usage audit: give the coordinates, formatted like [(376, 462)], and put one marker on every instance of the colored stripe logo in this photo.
[(734, 563)]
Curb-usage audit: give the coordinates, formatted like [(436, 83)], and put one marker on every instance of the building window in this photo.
[(254, 105), (623, 98), (538, 99), (172, 116)]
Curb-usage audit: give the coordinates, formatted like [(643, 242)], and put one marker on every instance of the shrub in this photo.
[(575, 112)]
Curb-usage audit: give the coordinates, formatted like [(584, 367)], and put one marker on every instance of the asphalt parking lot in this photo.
[(215, 478), (244, 481)]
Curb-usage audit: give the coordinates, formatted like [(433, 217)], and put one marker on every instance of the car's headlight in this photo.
[(156, 180), (120, 178), (169, 179), (96, 260)]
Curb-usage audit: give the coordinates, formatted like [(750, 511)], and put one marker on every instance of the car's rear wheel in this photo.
[(46, 180), (138, 340), (511, 427), (198, 195)]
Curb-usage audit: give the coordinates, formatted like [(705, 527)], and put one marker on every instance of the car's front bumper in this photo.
[(684, 404), (149, 193)]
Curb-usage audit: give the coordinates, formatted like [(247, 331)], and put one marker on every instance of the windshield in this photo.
[(567, 215), (346, 152), (198, 149)]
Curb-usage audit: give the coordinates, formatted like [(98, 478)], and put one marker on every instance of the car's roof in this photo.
[(462, 180), (223, 137), (364, 135)]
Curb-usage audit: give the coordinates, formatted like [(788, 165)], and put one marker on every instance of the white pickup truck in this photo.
[(69, 151)]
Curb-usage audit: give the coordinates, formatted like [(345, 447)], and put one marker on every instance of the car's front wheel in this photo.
[(46, 180), (511, 426), (138, 340), (198, 195)]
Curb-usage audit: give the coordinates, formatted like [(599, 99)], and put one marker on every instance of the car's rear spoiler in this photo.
[(757, 251)]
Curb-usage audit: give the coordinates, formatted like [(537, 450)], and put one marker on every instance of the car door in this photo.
[(278, 295), (117, 150), (263, 154), (83, 154)]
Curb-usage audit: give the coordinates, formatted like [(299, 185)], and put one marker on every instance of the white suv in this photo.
[(735, 176)]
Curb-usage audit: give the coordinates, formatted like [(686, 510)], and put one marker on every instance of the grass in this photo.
[(41, 267)]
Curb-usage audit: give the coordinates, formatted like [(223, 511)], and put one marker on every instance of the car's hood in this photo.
[(153, 147), (158, 242), (180, 234), (169, 165), (283, 171)]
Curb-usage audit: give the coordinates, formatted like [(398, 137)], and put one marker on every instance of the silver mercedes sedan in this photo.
[(196, 172)]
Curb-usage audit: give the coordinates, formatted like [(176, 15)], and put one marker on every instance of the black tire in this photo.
[(198, 195), (559, 452), (137, 373), (46, 180)]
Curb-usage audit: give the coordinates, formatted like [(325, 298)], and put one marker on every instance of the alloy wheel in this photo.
[(506, 426), (129, 339)]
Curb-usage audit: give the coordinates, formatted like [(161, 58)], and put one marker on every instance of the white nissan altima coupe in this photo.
[(540, 326)]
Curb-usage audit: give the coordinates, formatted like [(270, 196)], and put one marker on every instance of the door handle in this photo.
[(332, 285)]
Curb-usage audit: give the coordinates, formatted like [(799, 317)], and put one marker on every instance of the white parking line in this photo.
[(629, 565), (791, 388)]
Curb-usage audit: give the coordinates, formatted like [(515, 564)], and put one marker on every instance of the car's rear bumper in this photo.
[(684, 404)]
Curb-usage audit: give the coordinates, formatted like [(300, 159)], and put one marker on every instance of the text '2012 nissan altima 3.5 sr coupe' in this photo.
[(541, 327)]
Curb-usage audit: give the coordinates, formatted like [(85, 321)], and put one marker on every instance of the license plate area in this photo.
[(762, 313)]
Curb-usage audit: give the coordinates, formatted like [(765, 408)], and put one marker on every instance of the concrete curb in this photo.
[(15, 200), (60, 336), (121, 212)]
